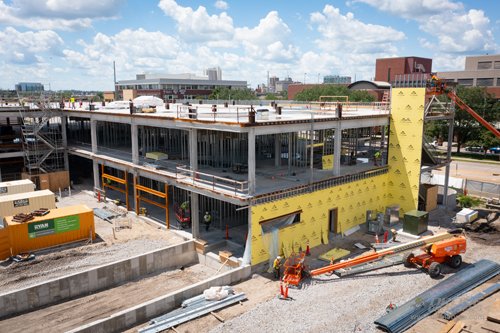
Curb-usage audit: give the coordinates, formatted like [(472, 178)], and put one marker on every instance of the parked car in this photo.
[(495, 150), (474, 149)]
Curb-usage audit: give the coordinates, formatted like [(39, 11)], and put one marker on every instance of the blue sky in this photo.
[(72, 44)]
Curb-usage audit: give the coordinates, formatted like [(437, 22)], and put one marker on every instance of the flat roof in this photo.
[(53, 214)]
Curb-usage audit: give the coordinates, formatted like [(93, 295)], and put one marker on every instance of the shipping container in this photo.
[(59, 226), (26, 202), (16, 186)]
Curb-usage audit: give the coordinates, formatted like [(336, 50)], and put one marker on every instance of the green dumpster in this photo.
[(415, 222)]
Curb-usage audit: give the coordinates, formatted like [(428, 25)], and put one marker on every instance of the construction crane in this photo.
[(437, 87)]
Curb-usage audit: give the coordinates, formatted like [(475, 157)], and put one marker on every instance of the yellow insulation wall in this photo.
[(352, 200), (405, 147)]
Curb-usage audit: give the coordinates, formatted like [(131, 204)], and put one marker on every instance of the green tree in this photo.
[(271, 97), (466, 201), (466, 128), (314, 93), (232, 94)]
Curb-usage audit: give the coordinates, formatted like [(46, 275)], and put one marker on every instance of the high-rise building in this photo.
[(214, 74)]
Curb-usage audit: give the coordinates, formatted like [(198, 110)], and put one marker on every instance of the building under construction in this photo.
[(273, 179)]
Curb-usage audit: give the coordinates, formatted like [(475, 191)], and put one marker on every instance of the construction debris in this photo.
[(191, 308), (494, 314), (438, 296)]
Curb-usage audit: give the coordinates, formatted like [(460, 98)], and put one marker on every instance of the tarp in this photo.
[(147, 101)]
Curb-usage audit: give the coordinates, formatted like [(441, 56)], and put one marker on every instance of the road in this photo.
[(486, 172)]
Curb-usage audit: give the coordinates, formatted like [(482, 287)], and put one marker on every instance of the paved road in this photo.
[(485, 172)]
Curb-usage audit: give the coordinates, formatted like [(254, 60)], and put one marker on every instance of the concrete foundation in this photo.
[(95, 279), (143, 312)]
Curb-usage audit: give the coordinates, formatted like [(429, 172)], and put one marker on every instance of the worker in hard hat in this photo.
[(207, 219), (376, 157), (277, 267)]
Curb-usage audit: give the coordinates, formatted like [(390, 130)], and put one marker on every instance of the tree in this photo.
[(232, 94), (466, 128), (271, 97), (314, 93)]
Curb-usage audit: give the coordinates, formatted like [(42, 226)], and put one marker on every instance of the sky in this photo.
[(72, 44)]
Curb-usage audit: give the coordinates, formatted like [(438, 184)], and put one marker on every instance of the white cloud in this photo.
[(56, 14), (197, 25), (455, 30), (412, 9), (222, 5), (28, 47), (133, 51), (347, 34)]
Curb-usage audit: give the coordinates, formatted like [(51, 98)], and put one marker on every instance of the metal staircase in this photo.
[(42, 141)]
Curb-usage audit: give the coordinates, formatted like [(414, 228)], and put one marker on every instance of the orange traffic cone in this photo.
[(286, 291), (282, 293)]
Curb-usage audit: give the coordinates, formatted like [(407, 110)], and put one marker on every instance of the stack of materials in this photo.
[(438, 296)]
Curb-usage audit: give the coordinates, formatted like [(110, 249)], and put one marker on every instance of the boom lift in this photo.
[(377, 255), (437, 87)]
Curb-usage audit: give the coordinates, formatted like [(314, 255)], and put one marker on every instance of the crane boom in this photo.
[(468, 109)]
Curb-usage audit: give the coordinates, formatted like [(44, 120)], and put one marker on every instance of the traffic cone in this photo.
[(308, 250), (282, 293), (286, 291), (386, 235)]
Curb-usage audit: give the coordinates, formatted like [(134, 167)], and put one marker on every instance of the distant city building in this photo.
[(480, 71), (214, 74), (337, 79), (175, 86), (387, 69), (272, 83), (29, 86), (282, 85)]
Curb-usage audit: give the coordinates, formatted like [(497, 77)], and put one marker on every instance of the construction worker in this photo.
[(277, 267), (376, 157), (207, 219)]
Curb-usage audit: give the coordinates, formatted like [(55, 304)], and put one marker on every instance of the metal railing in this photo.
[(197, 178)]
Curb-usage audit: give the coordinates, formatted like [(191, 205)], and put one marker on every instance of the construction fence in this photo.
[(482, 189)]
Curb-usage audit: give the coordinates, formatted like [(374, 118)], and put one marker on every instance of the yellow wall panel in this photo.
[(352, 201), (405, 147)]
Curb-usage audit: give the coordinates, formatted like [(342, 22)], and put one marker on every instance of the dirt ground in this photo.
[(74, 313), (109, 246)]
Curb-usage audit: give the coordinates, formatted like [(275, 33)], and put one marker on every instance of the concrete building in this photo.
[(275, 181), (480, 71), (214, 74), (29, 87), (388, 69), (177, 86), (336, 79)]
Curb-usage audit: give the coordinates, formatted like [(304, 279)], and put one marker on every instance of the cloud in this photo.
[(451, 28), (133, 50), (56, 14), (222, 5), (197, 25), (29, 47), (347, 33), (411, 9)]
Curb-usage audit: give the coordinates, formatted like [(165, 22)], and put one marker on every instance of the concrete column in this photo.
[(251, 161), (93, 135), (277, 150), (64, 135), (97, 179), (135, 143), (247, 255), (289, 154), (337, 150), (193, 149), (448, 158), (195, 215)]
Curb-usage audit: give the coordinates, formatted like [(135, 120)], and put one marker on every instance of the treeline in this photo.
[(313, 94)]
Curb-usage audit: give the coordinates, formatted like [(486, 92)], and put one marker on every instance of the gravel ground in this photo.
[(350, 304), (109, 247)]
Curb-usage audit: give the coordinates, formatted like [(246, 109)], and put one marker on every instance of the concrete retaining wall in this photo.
[(141, 313), (95, 279)]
